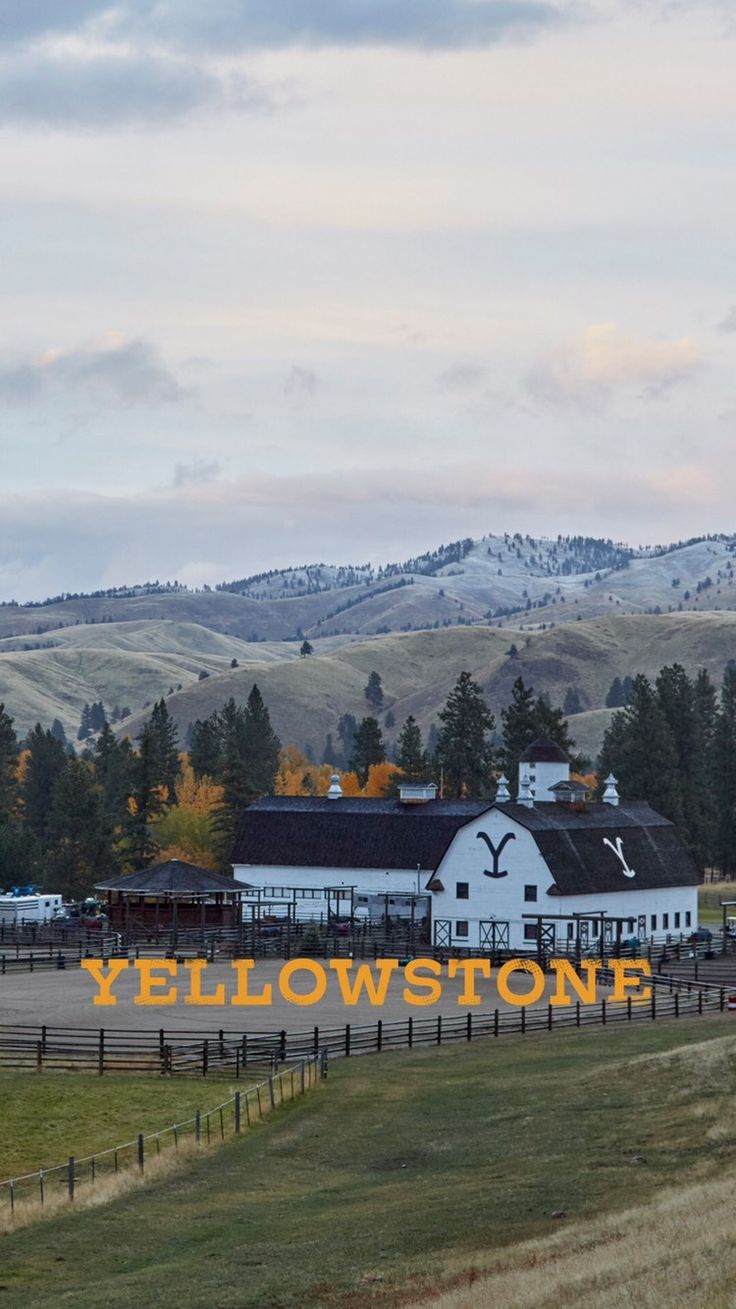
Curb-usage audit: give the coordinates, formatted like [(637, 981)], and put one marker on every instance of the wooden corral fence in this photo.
[(64, 1182), (235, 1054)]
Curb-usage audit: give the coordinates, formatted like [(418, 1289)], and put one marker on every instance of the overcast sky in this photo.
[(287, 281)]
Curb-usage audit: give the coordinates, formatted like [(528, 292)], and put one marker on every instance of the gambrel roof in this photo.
[(586, 850)]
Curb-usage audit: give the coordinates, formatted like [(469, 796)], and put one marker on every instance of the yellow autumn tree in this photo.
[(380, 778), (297, 776), (184, 830)]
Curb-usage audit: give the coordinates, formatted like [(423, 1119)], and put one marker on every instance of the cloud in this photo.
[(461, 377), (115, 370), (57, 90), (728, 324), (603, 359), (230, 24), (301, 383), (196, 473)]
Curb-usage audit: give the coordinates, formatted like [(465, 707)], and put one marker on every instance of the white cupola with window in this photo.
[(542, 765)]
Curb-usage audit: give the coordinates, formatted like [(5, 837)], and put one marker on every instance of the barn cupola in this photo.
[(542, 765), (335, 791), (610, 795)]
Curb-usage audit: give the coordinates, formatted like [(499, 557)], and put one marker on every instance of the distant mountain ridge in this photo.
[(616, 608)]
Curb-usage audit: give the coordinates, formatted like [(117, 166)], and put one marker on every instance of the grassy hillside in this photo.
[(410, 1166), (307, 696)]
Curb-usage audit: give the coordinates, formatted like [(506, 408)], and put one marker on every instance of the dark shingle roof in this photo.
[(308, 832), (543, 751), (175, 877), (572, 842)]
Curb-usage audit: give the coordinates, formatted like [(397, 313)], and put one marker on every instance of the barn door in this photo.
[(442, 933), (494, 935)]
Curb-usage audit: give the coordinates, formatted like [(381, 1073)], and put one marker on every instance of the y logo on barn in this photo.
[(496, 851), (618, 850)]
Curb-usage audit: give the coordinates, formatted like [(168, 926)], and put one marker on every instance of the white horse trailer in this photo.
[(17, 909)]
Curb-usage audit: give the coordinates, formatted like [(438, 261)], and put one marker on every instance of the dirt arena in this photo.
[(65, 999)]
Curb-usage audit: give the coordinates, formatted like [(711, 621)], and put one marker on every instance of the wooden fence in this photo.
[(63, 1182), (234, 1053)]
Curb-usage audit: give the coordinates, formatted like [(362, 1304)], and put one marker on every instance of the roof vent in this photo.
[(417, 792), (335, 791), (502, 791), (571, 793), (525, 795), (610, 795)]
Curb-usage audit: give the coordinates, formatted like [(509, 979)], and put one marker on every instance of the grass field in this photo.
[(403, 1170), (709, 909), (47, 1117)]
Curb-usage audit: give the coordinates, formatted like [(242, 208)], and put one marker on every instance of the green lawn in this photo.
[(397, 1165), (48, 1116)]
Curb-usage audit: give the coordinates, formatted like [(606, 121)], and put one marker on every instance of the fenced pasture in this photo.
[(27, 1196), (410, 1166)]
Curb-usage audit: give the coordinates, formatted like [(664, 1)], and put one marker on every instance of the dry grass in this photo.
[(677, 1249)]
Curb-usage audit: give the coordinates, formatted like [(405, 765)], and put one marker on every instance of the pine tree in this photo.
[(724, 758), (85, 726), (148, 799), (57, 730), (262, 746), (615, 698), (640, 749), (410, 754), (306, 649), (79, 838), (8, 767), (166, 744), (374, 690), (328, 754), (368, 748), (572, 704), (114, 765), (205, 750), (518, 726), (463, 749), (47, 759), (347, 728)]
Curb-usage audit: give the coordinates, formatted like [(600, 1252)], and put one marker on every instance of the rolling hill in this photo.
[(579, 611)]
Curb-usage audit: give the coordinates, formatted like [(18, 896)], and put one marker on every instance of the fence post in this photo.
[(70, 1177), (141, 1152), (439, 1029), (469, 1027), (549, 1017), (205, 1056), (237, 1111), (39, 1053), (628, 1007), (316, 1040), (282, 1046), (347, 1038), (677, 1004), (301, 1070), (603, 1011), (379, 1035), (198, 1126), (700, 1002), (523, 1019), (654, 1003), (101, 1053), (495, 1022), (723, 1000), (410, 1032), (40, 1184)]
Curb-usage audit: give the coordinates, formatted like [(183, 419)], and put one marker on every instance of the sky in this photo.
[(288, 282)]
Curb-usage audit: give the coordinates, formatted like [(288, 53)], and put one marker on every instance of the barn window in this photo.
[(530, 932), (462, 890), (688, 918), (570, 928), (665, 921), (630, 924), (677, 920), (653, 922), (530, 894), (461, 927)]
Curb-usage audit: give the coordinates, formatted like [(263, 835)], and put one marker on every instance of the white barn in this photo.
[(494, 875)]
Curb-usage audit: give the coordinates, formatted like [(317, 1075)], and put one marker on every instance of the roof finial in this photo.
[(526, 795), (610, 795)]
